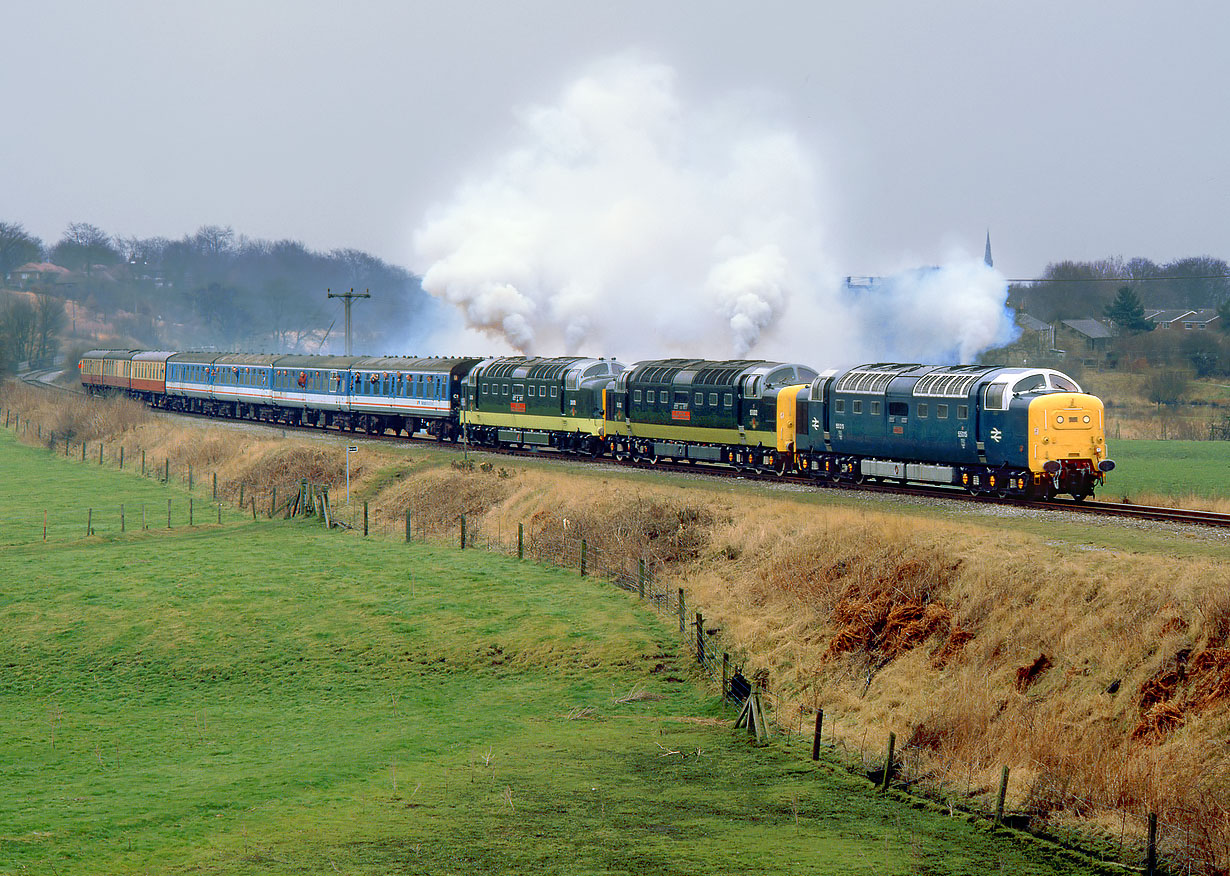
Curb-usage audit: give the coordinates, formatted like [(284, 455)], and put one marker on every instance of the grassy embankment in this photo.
[(1089, 656), (274, 698)]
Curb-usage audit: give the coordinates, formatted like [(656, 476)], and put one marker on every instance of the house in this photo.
[(41, 274), (1094, 333), (1199, 320), (1164, 319)]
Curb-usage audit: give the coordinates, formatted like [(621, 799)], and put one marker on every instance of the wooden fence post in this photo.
[(83, 451), (1151, 850), (142, 463), (214, 495), (815, 743), (89, 521), (888, 762), (583, 557), (273, 502), (463, 532), (640, 577), (189, 477), (999, 802), (365, 517), (408, 529), (520, 541), (166, 471), (189, 510), (168, 513), (121, 457), (219, 513), (725, 673), (683, 624), (121, 517), (101, 446), (700, 639), (241, 485)]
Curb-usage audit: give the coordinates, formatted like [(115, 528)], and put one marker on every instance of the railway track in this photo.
[(1111, 509)]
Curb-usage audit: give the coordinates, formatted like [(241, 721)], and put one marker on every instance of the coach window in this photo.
[(941, 412), (962, 412), (922, 410), (839, 406), (856, 407), (875, 408)]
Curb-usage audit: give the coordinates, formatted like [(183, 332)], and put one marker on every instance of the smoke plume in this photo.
[(621, 221)]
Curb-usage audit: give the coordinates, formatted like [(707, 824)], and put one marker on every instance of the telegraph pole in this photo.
[(347, 298)]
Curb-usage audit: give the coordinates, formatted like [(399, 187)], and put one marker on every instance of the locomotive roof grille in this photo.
[(944, 384), (870, 380)]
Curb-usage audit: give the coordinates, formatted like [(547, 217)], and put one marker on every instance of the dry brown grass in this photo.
[(1098, 673)]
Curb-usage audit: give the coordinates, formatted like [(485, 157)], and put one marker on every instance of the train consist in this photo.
[(1027, 432)]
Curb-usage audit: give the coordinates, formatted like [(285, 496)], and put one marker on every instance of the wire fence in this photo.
[(1046, 804), (1037, 800)]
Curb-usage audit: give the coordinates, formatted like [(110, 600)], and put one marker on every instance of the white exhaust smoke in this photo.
[(621, 221)]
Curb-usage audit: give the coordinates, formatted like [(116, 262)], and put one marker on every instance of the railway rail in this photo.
[(1090, 507)]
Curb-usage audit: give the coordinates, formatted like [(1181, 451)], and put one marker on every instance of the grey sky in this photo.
[(1073, 130)]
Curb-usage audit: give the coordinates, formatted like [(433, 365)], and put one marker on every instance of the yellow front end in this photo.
[(1067, 442)]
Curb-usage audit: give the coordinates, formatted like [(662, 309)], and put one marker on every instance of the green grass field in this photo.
[(274, 698), (1169, 468)]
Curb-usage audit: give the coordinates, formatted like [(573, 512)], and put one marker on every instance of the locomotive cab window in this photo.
[(898, 409)]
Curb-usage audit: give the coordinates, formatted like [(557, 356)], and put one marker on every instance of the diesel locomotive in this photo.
[(1028, 432)]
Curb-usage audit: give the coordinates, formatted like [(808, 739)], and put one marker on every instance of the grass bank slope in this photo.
[(274, 698)]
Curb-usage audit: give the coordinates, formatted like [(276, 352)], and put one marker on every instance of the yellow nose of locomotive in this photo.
[(1067, 428)]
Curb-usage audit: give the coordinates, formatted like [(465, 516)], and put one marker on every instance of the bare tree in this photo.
[(49, 322), (17, 247), (18, 329)]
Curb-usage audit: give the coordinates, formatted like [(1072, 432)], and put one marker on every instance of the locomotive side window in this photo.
[(856, 407), (699, 399), (962, 412), (636, 395), (555, 392), (995, 397), (505, 392), (839, 406), (941, 412), (728, 400), (875, 408), (922, 409), (713, 399)]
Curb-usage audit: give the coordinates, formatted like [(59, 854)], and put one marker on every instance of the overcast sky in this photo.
[(1071, 130)]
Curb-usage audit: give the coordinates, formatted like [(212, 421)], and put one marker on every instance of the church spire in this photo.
[(990, 262)]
